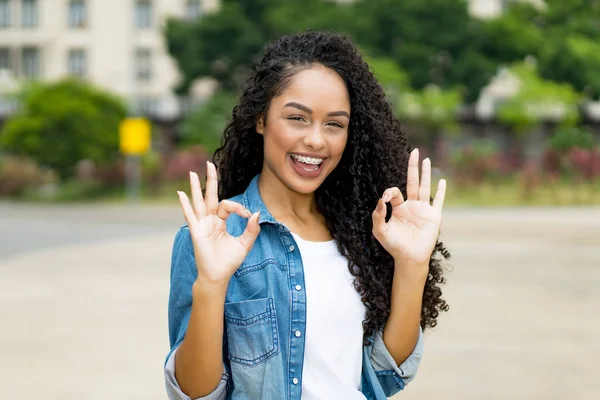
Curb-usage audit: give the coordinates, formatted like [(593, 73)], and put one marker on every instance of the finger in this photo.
[(394, 196), (228, 207), (188, 211), (440, 195), (378, 216), (197, 198), (425, 187), (412, 180), (212, 196), (251, 232)]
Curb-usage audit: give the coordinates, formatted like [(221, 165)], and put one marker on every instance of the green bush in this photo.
[(62, 123), (567, 138)]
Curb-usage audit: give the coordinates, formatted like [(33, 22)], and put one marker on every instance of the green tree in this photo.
[(205, 125), (390, 76), (427, 39), (575, 59), (538, 99), (298, 16), (510, 38), (571, 17), (62, 123), (221, 45), (434, 42), (568, 50), (433, 107)]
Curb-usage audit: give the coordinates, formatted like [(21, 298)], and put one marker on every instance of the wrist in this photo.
[(411, 271), (209, 289)]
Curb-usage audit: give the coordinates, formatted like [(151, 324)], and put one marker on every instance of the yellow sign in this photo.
[(134, 134)]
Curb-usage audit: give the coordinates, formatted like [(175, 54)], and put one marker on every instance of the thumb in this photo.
[(379, 218), (251, 232)]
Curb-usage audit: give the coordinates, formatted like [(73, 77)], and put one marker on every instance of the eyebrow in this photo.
[(308, 110)]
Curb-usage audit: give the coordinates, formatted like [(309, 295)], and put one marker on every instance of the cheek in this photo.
[(339, 145), (277, 137)]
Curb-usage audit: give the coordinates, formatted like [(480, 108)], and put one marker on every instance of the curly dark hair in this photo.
[(375, 158)]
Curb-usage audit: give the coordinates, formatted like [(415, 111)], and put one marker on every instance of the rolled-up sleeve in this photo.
[(174, 391), (391, 376), (183, 275)]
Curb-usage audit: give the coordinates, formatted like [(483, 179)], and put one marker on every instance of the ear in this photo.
[(260, 124)]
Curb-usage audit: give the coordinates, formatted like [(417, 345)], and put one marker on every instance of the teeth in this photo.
[(307, 160)]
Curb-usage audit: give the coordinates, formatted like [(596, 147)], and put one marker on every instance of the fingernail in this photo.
[(386, 198), (178, 193), (379, 205)]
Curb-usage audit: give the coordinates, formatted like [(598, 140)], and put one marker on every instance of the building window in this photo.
[(77, 14), (192, 9), (143, 65), (77, 63), (29, 13), (30, 62), (143, 13), (5, 59), (5, 14)]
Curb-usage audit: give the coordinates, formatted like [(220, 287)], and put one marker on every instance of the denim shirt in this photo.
[(265, 306)]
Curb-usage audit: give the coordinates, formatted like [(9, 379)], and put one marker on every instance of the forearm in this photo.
[(402, 327), (199, 358)]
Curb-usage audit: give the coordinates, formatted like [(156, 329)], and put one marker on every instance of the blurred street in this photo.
[(84, 289)]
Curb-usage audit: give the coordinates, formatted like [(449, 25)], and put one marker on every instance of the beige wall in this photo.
[(110, 39)]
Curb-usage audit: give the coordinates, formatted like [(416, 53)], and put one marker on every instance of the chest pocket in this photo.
[(252, 335)]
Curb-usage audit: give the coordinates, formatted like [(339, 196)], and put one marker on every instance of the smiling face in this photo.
[(306, 129)]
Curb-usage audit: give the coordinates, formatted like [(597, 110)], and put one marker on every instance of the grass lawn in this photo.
[(514, 194), (488, 194), (503, 194)]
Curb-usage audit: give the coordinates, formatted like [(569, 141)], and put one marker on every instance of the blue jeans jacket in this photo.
[(265, 304)]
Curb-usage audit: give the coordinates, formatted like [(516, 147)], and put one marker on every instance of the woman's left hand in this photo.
[(412, 231)]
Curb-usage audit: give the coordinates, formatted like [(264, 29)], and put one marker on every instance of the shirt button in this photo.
[(295, 380), (298, 287), (297, 333), (292, 248)]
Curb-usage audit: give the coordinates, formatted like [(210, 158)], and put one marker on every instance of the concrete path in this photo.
[(83, 302)]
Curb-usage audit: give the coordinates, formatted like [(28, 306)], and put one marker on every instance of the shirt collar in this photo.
[(253, 202)]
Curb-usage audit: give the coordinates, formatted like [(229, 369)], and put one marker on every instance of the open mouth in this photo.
[(308, 164)]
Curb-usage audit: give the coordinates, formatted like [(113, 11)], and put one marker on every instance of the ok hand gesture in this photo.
[(412, 231), (217, 253)]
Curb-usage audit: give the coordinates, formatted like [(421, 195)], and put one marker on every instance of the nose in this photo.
[(315, 138)]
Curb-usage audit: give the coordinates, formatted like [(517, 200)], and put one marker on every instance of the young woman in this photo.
[(315, 274)]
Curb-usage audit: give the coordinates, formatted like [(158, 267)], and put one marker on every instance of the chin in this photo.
[(304, 187)]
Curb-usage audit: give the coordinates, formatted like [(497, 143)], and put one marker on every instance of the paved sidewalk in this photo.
[(83, 294)]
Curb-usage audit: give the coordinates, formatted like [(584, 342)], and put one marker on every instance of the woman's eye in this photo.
[(336, 124), (296, 118)]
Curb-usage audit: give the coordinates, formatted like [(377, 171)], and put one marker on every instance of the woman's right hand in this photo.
[(218, 254)]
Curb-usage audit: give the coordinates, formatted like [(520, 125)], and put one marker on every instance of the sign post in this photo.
[(134, 141)]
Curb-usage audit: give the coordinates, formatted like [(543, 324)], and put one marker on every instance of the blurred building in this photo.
[(115, 44), (494, 8)]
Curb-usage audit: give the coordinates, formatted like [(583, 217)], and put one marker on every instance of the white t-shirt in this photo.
[(334, 332)]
